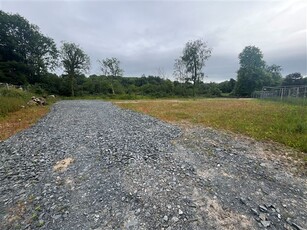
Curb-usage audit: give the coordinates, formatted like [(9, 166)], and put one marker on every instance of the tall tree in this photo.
[(74, 61), (110, 67), (251, 58), (195, 54), (24, 51), (254, 73)]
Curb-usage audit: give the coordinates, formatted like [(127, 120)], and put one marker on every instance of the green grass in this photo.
[(262, 120), (12, 100), (15, 115)]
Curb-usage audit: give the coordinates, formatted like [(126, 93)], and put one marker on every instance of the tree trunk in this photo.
[(195, 78), (112, 86), (113, 92), (72, 85)]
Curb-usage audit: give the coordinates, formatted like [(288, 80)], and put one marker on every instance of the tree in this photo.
[(180, 71), (251, 58), (195, 54), (227, 86), (25, 52), (254, 73), (110, 67), (294, 79), (275, 74), (74, 61)]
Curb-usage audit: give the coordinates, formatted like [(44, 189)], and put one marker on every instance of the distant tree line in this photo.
[(27, 58)]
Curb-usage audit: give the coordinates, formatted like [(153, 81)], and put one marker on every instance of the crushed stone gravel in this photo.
[(92, 165)]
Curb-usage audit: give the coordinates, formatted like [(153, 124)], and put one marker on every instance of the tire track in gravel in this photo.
[(124, 170)]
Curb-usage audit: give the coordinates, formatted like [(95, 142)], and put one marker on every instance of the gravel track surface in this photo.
[(91, 165)]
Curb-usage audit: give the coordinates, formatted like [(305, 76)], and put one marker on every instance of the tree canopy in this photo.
[(254, 73), (251, 58), (110, 67), (74, 61), (25, 53), (195, 54)]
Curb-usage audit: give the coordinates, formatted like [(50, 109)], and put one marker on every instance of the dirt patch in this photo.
[(62, 165)]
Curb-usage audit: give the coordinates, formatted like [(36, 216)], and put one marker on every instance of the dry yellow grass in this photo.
[(24, 118), (262, 120)]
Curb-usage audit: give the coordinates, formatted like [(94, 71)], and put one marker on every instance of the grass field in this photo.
[(15, 115), (262, 120)]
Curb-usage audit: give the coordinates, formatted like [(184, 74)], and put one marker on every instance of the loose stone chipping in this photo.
[(91, 165), (62, 165)]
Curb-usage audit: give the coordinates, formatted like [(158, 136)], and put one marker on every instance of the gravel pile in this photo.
[(91, 165)]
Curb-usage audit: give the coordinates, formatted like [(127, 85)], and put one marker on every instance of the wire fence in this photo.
[(292, 94)]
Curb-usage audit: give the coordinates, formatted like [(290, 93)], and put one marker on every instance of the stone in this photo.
[(175, 219), (55, 217), (265, 223), (297, 227), (180, 212), (165, 218), (262, 216), (262, 208), (254, 211), (242, 200), (137, 212)]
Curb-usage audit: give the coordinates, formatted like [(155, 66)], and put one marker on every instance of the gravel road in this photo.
[(92, 165)]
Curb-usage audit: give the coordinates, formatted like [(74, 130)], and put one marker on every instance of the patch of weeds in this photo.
[(38, 208), (34, 216), (300, 128), (40, 223)]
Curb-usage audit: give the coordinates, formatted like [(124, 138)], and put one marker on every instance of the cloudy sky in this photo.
[(146, 36)]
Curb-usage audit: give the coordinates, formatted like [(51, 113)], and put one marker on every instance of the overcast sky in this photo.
[(146, 36)]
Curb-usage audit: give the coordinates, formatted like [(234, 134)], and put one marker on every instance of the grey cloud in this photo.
[(147, 35)]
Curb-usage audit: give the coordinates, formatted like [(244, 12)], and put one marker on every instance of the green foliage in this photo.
[(189, 66), (227, 86), (294, 79), (25, 53), (74, 61), (251, 58), (254, 74), (274, 72), (110, 67), (11, 100)]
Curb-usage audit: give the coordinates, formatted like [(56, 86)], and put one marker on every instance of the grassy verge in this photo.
[(262, 120), (19, 120), (12, 100), (15, 115)]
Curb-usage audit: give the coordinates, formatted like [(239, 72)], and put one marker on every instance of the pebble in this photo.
[(262, 208), (262, 216), (265, 223), (297, 227), (180, 212), (254, 211), (175, 219)]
